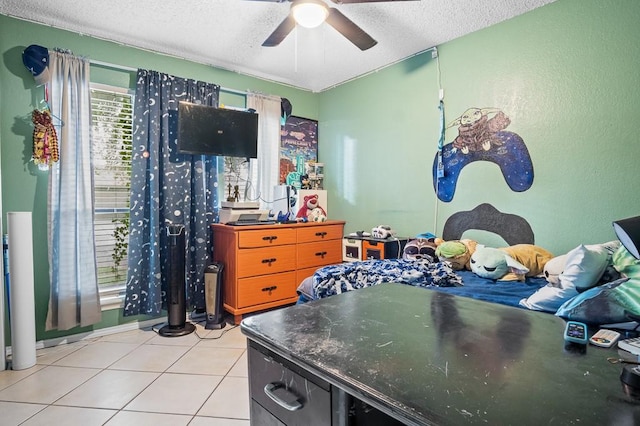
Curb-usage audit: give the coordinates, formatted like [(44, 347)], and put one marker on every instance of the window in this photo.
[(112, 130)]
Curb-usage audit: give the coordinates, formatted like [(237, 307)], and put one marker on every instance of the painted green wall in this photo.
[(23, 187), (566, 74)]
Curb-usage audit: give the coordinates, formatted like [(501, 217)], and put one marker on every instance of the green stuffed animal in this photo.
[(513, 263)]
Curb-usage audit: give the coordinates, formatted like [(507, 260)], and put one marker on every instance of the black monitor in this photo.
[(207, 130)]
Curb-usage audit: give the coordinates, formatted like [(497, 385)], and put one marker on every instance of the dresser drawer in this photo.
[(288, 395), (319, 254), (319, 233), (261, 261), (265, 289), (266, 237)]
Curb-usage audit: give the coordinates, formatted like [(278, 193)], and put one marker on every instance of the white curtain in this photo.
[(74, 299), (263, 171)]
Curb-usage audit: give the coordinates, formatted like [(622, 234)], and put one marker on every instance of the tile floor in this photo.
[(133, 378)]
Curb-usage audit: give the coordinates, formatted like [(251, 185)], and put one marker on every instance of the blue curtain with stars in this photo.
[(167, 187)]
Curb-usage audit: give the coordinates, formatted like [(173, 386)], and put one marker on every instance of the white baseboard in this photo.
[(136, 325)]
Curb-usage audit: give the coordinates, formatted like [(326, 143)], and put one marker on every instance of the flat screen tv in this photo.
[(207, 130)]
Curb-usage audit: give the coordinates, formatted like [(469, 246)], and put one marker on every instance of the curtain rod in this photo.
[(130, 69)]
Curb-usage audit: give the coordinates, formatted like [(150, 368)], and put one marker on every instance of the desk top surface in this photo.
[(428, 357)]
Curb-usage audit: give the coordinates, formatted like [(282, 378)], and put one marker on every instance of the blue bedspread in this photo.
[(503, 292), (438, 276)]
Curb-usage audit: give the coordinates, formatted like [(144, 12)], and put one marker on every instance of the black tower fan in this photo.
[(176, 304)]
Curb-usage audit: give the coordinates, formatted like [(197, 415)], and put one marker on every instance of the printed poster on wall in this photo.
[(298, 144)]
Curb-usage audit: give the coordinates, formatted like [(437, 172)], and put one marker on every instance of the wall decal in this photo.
[(481, 136)]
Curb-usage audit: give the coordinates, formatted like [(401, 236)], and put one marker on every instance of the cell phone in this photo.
[(576, 332)]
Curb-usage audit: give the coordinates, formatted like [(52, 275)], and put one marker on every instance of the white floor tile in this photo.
[(70, 416), (97, 355), (175, 394), (228, 337), (217, 421), (204, 360), (47, 385), (229, 400), (150, 358), (241, 367), (9, 377), (128, 418), (109, 389), (187, 340), (14, 413), (133, 336), (50, 355), (152, 380)]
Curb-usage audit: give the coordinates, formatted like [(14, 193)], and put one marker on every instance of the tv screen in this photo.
[(207, 130)]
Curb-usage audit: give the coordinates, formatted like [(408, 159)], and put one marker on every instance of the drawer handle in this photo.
[(291, 406), (321, 254), (270, 289), (269, 261), (321, 234), (270, 238)]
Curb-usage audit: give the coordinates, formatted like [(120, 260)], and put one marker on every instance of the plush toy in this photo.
[(513, 263), (553, 268), (457, 253), (317, 215), (420, 248), (311, 209)]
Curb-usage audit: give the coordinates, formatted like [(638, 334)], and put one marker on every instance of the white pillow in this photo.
[(548, 298), (584, 266)]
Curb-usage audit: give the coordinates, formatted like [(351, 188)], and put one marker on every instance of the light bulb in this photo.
[(309, 13)]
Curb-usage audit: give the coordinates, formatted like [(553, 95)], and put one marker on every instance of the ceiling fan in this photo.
[(318, 12)]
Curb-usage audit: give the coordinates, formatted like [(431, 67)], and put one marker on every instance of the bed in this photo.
[(338, 279), (430, 273), (600, 284)]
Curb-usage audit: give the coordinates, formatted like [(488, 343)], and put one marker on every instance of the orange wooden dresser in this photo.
[(264, 264)]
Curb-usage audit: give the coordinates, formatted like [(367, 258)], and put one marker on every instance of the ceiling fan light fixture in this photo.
[(309, 13)]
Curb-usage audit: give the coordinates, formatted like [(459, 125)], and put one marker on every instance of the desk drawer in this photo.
[(265, 289), (266, 238), (319, 254), (261, 261), (301, 401)]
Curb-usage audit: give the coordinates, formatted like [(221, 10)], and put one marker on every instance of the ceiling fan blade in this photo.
[(350, 30), (281, 32), (364, 1)]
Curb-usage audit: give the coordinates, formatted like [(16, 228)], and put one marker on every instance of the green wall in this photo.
[(23, 187), (566, 74)]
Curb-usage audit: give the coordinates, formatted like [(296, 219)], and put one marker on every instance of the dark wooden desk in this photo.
[(425, 357)]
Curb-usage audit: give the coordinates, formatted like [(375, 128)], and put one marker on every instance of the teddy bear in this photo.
[(311, 210)]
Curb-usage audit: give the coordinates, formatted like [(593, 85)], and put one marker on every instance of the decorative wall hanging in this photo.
[(481, 136), (45, 139), (298, 145)]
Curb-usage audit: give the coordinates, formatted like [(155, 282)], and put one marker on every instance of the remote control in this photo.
[(604, 338), (576, 332)]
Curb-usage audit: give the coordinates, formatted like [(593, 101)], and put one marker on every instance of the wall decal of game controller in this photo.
[(508, 151)]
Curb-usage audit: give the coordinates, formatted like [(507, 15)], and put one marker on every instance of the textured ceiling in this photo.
[(228, 33)]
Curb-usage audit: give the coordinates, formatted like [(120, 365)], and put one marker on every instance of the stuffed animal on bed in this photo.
[(457, 253), (513, 263), (420, 248)]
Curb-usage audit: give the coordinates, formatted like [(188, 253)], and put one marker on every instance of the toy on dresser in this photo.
[(311, 209)]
